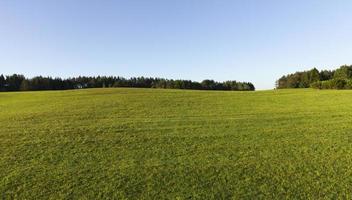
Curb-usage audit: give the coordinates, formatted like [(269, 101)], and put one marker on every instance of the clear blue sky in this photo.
[(245, 40)]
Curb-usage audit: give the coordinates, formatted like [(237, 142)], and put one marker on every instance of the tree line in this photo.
[(18, 82), (340, 78)]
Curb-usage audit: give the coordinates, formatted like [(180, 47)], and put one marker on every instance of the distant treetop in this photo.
[(340, 78), (18, 82)]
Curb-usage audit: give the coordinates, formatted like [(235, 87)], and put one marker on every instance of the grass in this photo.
[(176, 144)]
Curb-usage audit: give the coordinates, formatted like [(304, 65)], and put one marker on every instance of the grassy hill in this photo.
[(149, 143)]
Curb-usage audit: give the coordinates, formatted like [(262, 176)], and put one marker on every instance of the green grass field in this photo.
[(176, 144)]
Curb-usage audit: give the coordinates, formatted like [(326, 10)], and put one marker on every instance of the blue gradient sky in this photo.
[(245, 40)]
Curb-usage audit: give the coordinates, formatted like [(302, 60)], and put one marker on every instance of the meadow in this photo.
[(176, 144)]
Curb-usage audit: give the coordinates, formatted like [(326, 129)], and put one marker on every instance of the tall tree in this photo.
[(25, 85), (2, 83), (314, 75), (344, 72), (14, 82)]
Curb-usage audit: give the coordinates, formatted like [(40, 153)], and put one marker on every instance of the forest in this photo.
[(340, 78), (18, 82)]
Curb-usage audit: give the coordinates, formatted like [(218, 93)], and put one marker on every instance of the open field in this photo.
[(150, 143)]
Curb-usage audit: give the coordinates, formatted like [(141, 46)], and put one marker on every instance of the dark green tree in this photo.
[(2, 83)]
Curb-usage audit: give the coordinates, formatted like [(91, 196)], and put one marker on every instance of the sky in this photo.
[(246, 40)]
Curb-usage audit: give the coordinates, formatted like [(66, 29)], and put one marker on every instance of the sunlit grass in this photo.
[(157, 144)]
